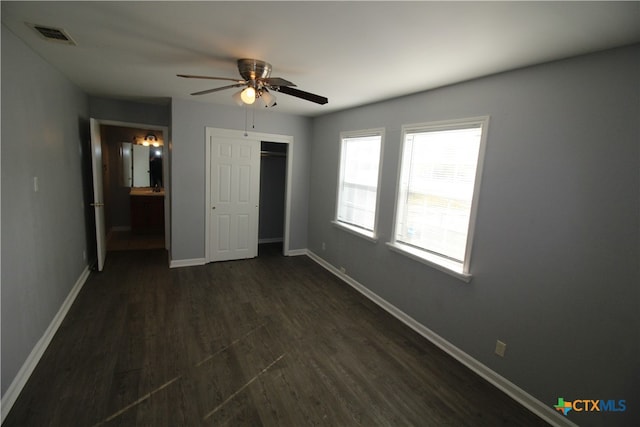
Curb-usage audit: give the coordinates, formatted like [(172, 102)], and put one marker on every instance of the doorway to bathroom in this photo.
[(134, 174)]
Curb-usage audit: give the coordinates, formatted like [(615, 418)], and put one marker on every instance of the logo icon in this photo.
[(590, 405), (563, 406)]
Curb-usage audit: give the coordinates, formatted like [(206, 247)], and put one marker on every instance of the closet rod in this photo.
[(265, 153)]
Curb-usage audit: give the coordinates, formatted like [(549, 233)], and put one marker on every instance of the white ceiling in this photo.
[(354, 53)]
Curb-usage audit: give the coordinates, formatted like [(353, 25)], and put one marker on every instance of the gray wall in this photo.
[(158, 114), (189, 121), (44, 130), (555, 261)]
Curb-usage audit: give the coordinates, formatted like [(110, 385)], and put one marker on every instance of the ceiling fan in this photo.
[(258, 84)]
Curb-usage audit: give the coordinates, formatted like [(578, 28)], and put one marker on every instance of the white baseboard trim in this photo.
[(177, 263), (297, 252), (38, 350), (539, 408), (270, 240)]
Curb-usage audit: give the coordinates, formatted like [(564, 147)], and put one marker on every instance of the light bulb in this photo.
[(248, 95)]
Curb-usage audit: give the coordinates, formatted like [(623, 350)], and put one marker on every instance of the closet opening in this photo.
[(273, 185)]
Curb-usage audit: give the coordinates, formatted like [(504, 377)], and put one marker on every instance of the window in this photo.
[(439, 172), (358, 181)]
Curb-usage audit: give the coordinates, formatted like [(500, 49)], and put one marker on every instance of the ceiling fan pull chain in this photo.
[(245, 120)]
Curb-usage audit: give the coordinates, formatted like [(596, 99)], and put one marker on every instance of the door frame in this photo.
[(97, 203), (166, 163), (211, 132)]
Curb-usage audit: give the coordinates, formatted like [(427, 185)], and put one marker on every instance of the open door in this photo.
[(234, 185), (98, 193)]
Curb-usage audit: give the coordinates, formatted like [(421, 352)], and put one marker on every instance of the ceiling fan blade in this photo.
[(302, 94), (189, 76), (277, 81), (204, 92)]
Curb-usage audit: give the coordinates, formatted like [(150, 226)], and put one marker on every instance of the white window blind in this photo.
[(437, 180), (358, 180)]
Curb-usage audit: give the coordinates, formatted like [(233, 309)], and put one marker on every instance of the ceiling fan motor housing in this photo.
[(253, 69)]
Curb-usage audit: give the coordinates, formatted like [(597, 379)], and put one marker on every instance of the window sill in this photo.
[(452, 268), (365, 234)]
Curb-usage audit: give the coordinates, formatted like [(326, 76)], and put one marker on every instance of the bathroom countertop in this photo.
[(145, 191)]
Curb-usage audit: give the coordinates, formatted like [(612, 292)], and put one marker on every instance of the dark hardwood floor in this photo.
[(273, 341), (128, 241)]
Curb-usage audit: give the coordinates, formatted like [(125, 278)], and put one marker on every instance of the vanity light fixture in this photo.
[(151, 139)]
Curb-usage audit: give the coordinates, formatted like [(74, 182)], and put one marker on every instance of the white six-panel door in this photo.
[(234, 185)]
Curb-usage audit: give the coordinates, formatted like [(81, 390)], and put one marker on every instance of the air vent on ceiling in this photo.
[(52, 34)]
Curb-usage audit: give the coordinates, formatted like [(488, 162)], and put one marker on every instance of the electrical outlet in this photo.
[(501, 347), (324, 246), (36, 185)]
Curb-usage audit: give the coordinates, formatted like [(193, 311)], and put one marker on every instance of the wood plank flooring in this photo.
[(272, 341), (122, 240)]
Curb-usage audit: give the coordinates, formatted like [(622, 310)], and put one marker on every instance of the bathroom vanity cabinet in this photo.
[(147, 211)]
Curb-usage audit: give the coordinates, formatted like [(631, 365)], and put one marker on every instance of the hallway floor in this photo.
[(128, 241)]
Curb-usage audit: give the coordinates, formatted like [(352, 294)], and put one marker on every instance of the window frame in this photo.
[(460, 270), (371, 235)]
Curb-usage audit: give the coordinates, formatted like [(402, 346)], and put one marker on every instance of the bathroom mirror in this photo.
[(141, 165)]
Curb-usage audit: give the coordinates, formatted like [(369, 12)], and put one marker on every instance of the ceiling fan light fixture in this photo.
[(248, 95), (268, 99), (238, 98), (256, 80)]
